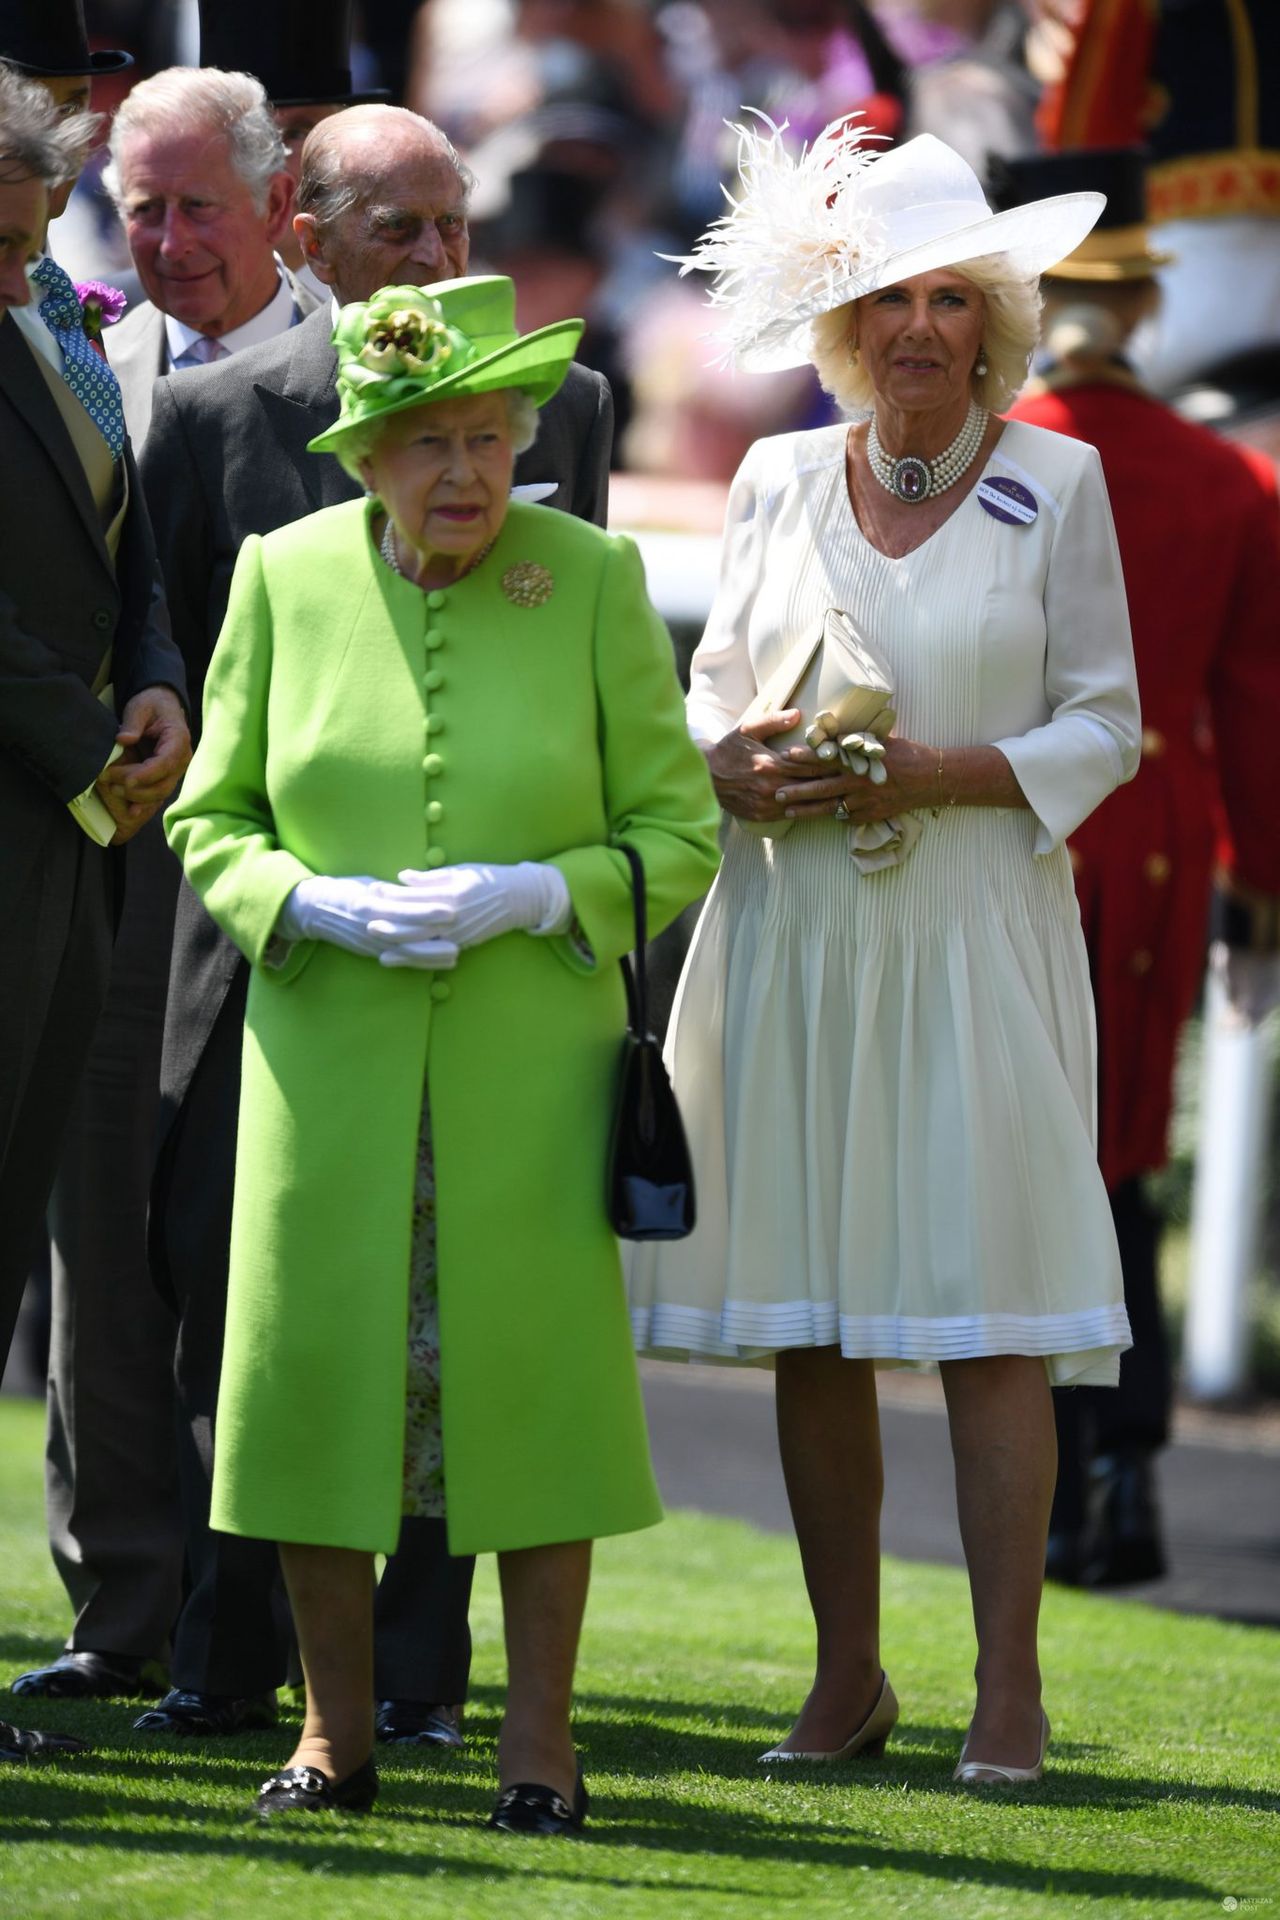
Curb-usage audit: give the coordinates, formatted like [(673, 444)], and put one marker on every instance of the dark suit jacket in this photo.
[(138, 349), (61, 605), (226, 457)]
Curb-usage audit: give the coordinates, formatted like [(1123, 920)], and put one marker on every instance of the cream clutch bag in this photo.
[(841, 687)]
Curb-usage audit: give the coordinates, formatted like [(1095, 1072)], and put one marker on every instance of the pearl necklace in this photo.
[(912, 479), (387, 548)]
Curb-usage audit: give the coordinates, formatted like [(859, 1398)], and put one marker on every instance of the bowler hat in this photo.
[(299, 49), (1119, 247), (410, 346), (48, 39)]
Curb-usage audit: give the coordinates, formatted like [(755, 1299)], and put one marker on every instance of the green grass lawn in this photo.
[(1161, 1800)]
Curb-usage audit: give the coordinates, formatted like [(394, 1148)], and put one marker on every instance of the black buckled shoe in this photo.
[(184, 1711), (414, 1723), (24, 1743), (84, 1675), (529, 1808), (307, 1790)]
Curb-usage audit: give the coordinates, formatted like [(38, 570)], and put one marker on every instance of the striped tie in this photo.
[(84, 370)]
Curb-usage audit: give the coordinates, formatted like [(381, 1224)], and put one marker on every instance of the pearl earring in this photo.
[(981, 366)]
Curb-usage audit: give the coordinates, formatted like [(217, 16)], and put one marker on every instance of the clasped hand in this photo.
[(755, 781), (155, 750), (424, 919)]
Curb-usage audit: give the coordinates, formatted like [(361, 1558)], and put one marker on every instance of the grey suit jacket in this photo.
[(62, 604), (138, 351), (226, 457)]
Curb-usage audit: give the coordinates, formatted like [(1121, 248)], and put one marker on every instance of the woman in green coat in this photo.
[(431, 719)]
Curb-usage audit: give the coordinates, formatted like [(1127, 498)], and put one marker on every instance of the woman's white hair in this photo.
[(1010, 331), (522, 417), (232, 104)]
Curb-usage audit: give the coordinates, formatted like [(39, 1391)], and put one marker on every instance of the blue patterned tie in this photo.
[(84, 369)]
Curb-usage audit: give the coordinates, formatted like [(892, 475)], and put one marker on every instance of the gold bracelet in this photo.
[(938, 809)]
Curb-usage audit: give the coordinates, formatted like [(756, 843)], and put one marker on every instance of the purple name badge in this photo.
[(1006, 500)]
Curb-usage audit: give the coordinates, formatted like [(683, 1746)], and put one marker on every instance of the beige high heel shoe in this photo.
[(869, 1740), (989, 1773)]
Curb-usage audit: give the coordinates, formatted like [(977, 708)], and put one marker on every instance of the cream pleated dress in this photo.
[(888, 1078)]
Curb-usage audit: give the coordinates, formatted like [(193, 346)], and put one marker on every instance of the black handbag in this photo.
[(649, 1188)]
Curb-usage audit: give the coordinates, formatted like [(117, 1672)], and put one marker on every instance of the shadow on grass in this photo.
[(724, 1839), (30, 1649), (920, 1756), (648, 1738)]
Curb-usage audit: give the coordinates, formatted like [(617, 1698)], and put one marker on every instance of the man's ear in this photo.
[(304, 228), (279, 207)]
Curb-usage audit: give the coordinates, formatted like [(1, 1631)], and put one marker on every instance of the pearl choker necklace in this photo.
[(912, 479), (387, 548)]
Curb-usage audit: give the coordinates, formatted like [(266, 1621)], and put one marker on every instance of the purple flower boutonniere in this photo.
[(100, 305)]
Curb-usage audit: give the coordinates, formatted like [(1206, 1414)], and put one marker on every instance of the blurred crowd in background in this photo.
[(599, 133)]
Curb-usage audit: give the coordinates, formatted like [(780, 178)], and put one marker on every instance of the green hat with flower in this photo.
[(409, 346)]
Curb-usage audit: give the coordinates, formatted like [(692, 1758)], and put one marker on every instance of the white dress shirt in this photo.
[(276, 317)]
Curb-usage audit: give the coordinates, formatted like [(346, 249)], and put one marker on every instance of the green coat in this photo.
[(355, 726)]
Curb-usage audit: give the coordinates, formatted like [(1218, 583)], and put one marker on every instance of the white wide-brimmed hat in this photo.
[(811, 231)]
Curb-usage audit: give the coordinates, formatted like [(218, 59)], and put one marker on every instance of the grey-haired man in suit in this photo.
[(382, 201), (88, 673), (200, 177)]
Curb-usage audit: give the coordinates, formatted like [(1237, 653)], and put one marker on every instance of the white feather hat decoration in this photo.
[(839, 220)]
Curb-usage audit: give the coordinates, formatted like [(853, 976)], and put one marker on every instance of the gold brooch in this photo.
[(527, 584)]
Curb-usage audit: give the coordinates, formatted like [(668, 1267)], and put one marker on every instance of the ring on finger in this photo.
[(842, 812)]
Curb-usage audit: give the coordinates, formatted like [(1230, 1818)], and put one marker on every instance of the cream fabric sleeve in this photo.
[(91, 813), (1091, 744), (722, 683)]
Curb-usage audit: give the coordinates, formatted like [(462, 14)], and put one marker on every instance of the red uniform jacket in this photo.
[(1199, 530)]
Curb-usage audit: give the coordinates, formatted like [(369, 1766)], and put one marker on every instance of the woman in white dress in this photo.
[(886, 1058)]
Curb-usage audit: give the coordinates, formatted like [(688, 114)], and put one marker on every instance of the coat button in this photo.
[(432, 765), (433, 680), (1141, 961), (435, 811), (1157, 867), (101, 619), (440, 989), (436, 856), (432, 640), (1152, 743), (435, 723), (435, 599)]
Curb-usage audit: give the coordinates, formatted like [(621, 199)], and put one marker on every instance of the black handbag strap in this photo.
[(634, 975)]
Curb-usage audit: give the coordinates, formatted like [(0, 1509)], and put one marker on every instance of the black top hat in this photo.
[(48, 38), (299, 49), (1118, 248)]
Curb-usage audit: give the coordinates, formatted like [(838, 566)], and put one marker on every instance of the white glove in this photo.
[(468, 904), (342, 911)]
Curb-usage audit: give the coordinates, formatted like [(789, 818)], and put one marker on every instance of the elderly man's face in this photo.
[(24, 209), (204, 252), (408, 229)]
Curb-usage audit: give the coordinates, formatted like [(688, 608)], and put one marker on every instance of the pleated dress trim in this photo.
[(751, 1330)]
